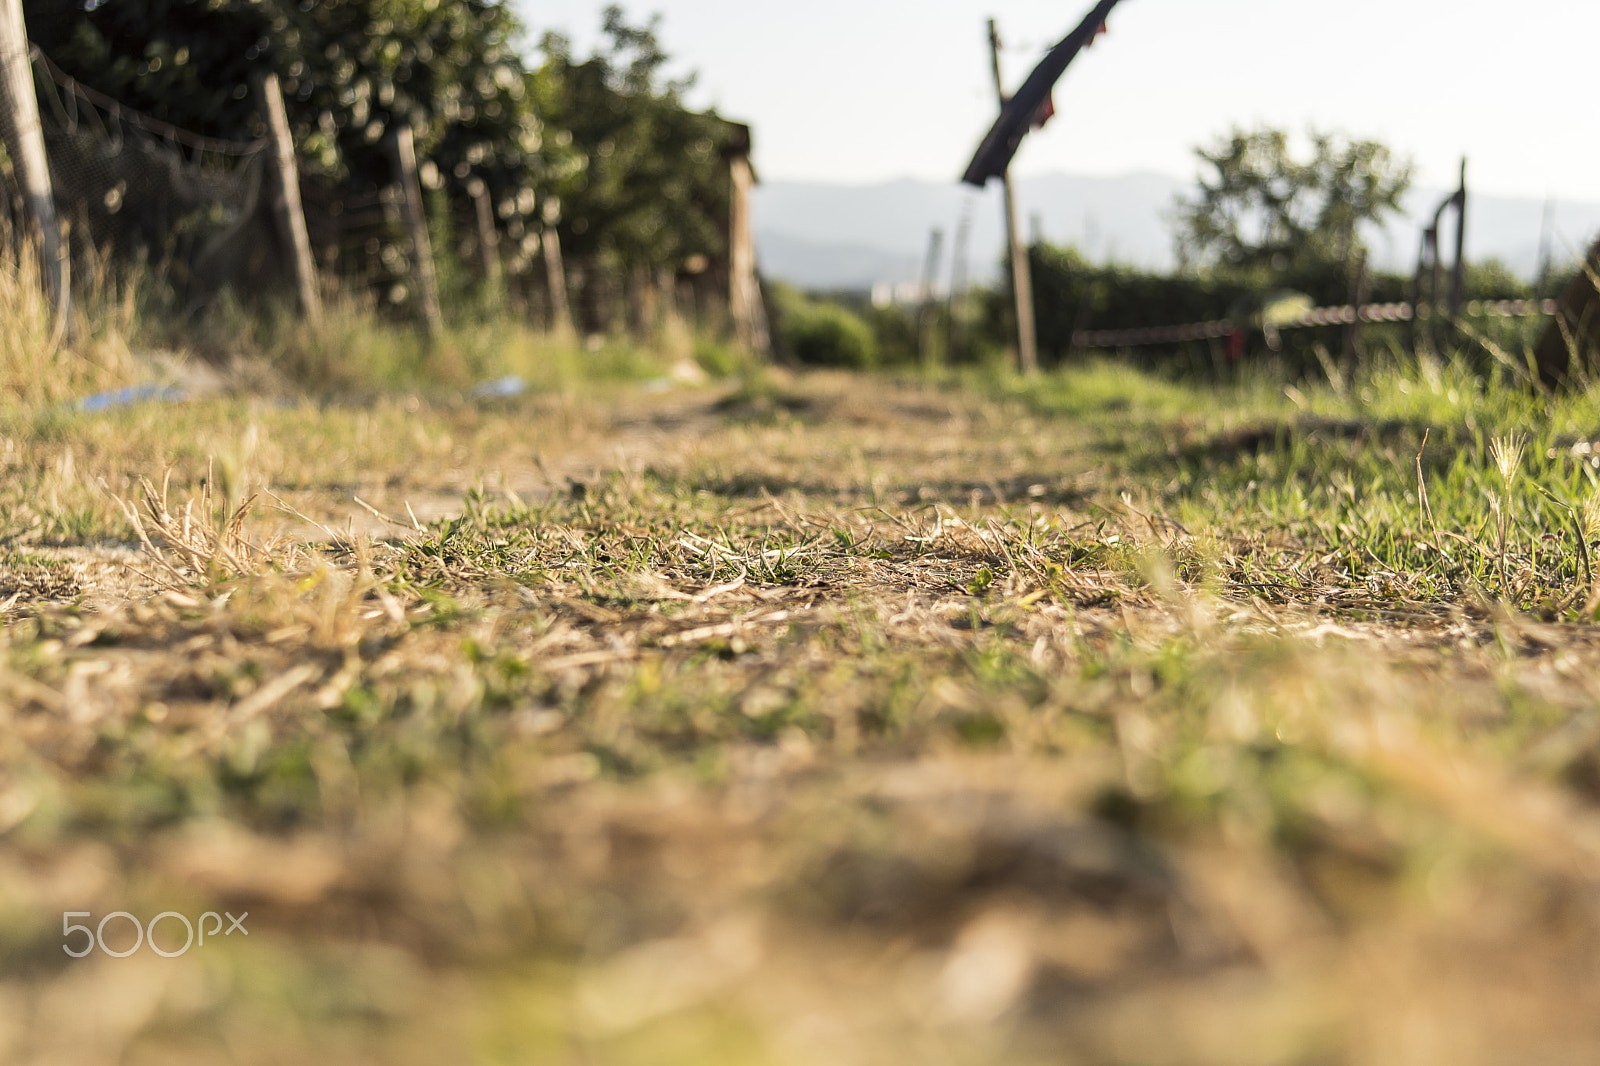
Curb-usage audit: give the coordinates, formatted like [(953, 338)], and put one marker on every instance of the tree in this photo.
[(1260, 212), (642, 180), (652, 191), (350, 70)]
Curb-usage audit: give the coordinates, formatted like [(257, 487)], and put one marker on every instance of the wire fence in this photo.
[(136, 188), (1317, 316), (73, 92)]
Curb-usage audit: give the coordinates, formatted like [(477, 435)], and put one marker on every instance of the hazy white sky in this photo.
[(867, 90)]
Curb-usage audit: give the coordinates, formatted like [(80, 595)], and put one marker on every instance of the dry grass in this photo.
[(1100, 721), (48, 357)]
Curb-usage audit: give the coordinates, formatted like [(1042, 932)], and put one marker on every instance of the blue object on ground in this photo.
[(127, 397), (510, 385)]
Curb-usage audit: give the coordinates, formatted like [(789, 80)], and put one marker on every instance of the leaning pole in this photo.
[(1027, 108)]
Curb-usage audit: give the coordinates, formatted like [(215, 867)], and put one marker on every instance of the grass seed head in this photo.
[(1589, 516), (1507, 455)]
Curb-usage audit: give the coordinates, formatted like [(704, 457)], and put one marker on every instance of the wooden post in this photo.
[(1436, 302), (555, 273), (1022, 290), (1458, 280), (1541, 287), (488, 237), (641, 299), (1360, 282), (286, 206), (671, 332), (31, 163), (1569, 348), (1425, 291), (422, 272), (744, 292), (925, 308), (956, 311), (1021, 274)]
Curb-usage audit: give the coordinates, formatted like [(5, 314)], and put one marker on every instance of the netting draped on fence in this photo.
[(138, 189), (197, 208)]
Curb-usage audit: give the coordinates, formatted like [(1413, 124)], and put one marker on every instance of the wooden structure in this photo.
[(745, 307)]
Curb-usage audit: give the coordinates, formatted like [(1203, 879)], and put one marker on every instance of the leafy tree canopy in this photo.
[(652, 186), (349, 69), (1260, 211), (642, 179)]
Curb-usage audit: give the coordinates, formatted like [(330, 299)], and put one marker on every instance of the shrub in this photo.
[(823, 333), (720, 359)]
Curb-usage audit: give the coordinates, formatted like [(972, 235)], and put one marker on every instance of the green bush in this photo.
[(894, 332), (823, 333), (720, 359)]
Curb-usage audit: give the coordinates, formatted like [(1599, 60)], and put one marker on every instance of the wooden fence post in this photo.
[(488, 238), (287, 209), (1360, 288), (744, 288), (956, 301), (1021, 272), (405, 158), (1458, 279), (555, 272), (1421, 294), (1569, 347), (671, 333), (32, 165), (926, 315)]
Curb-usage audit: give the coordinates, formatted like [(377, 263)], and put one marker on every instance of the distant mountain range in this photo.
[(823, 236)]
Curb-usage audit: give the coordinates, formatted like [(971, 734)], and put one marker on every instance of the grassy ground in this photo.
[(837, 719)]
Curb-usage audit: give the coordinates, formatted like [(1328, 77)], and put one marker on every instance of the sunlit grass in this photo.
[(832, 719)]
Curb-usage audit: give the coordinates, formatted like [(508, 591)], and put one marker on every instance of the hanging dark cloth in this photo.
[(1025, 108)]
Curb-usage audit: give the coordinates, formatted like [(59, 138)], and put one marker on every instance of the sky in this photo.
[(861, 91)]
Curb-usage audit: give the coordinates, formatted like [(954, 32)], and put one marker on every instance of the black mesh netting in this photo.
[(139, 191)]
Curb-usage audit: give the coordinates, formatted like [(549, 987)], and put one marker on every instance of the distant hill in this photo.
[(823, 236), (819, 265)]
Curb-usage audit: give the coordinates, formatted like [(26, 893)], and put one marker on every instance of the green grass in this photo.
[(1101, 718)]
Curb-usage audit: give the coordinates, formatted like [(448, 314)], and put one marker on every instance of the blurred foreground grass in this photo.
[(841, 719)]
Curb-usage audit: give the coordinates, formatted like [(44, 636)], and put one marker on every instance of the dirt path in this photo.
[(834, 721)]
